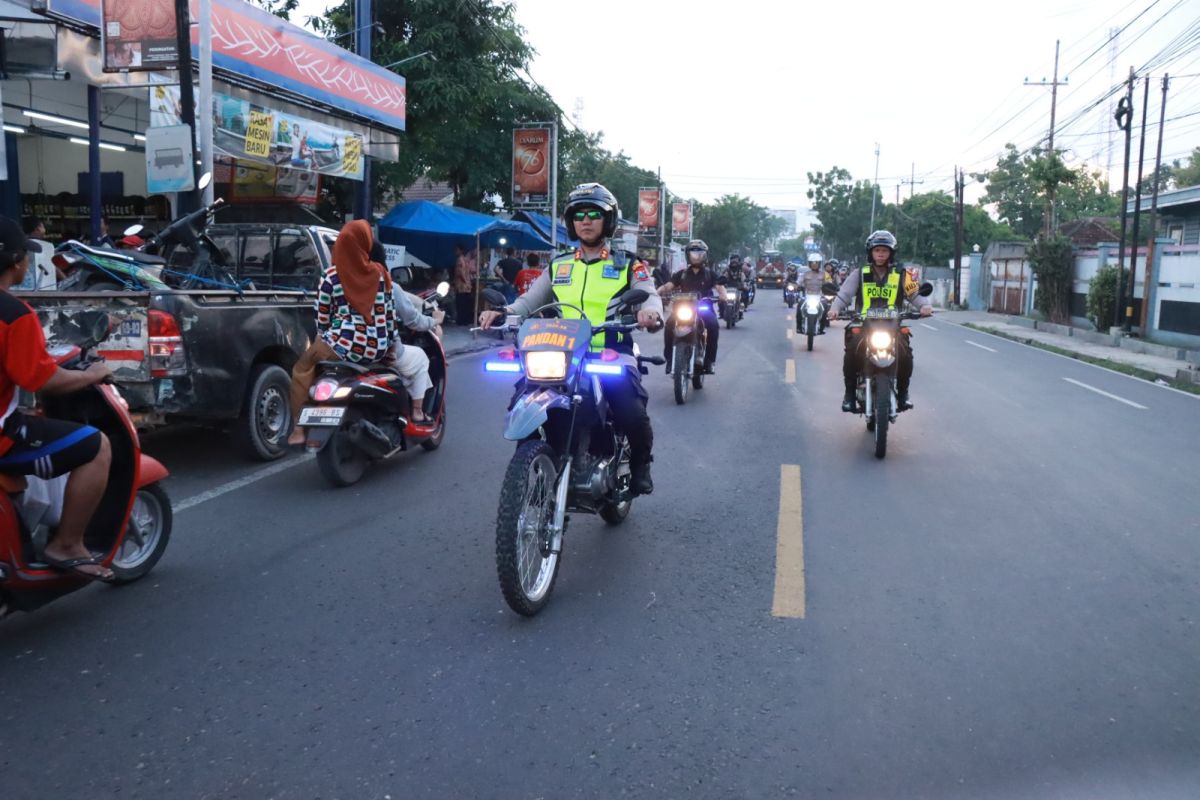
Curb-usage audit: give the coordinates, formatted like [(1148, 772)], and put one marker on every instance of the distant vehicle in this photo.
[(168, 156), (770, 269)]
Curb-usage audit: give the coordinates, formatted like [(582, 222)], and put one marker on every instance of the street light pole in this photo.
[(1137, 213), (874, 188), (1124, 118), (362, 39)]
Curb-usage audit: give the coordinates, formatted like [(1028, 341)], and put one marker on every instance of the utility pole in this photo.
[(911, 181), (1137, 211), (185, 201), (1148, 282), (875, 187), (1053, 84), (364, 29), (662, 217), (958, 234), (1124, 117)]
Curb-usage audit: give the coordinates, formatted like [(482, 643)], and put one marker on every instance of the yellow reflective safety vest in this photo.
[(594, 287), (875, 295)]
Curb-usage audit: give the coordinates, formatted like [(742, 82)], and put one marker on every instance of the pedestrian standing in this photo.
[(464, 285)]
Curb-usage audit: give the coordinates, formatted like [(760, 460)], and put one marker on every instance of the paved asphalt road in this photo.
[(1006, 607)]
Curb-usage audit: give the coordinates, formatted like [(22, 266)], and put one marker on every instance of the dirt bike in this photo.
[(570, 456)]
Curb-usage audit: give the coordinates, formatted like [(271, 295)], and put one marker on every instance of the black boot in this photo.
[(640, 482), (848, 401), (710, 368), (902, 401)]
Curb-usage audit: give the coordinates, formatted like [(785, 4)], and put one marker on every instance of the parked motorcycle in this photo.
[(361, 414), (131, 526), (875, 394), (810, 317), (98, 269), (570, 456), (691, 342)]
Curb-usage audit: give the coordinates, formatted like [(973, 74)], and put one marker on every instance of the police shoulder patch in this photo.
[(640, 273)]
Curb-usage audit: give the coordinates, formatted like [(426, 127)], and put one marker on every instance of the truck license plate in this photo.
[(320, 416)]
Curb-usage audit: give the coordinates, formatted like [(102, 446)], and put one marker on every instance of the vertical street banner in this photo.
[(531, 166), (681, 220), (648, 200), (137, 35)]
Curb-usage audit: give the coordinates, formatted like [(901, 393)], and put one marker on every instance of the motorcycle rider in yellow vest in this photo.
[(880, 283), (591, 278)]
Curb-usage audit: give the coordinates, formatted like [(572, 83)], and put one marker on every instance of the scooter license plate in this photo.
[(320, 416)]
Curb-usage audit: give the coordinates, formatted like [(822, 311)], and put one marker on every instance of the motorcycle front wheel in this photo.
[(882, 391), (526, 567), (682, 358)]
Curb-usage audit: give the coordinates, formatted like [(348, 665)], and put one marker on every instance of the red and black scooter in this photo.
[(356, 414), (131, 526)]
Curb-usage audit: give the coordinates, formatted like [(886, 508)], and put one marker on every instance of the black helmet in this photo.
[(696, 245), (881, 239), (735, 259), (597, 196)]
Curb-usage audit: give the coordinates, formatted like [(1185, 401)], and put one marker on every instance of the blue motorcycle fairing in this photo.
[(531, 411)]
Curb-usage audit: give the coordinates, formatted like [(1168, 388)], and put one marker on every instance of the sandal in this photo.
[(73, 565)]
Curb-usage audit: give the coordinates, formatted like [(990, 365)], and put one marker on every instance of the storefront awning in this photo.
[(253, 47)]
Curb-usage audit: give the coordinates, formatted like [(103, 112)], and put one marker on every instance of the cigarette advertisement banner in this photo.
[(648, 210), (531, 167), (138, 35), (681, 219)]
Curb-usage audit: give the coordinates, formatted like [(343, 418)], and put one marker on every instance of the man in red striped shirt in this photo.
[(32, 444)]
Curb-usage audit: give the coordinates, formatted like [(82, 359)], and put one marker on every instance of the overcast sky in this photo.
[(749, 96)]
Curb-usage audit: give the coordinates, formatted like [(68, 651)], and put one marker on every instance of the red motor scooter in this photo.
[(132, 524)]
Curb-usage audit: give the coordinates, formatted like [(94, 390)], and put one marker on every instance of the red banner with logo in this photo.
[(648, 200), (681, 219), (531, 167)]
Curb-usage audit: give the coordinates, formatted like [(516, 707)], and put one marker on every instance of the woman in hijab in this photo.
[(355, 314)]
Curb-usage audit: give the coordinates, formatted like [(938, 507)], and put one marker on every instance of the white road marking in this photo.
[(980, 346), (253, 477), (1106, 394), (923, 325), (790, 333), (1142, 381), (789, 371)]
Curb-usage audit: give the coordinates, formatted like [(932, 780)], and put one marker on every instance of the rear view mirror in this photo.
[(494, 298), (634, 297), (829, 288), (204, 181), (443, 289), (402, 275), (926, 289), (134, 230)]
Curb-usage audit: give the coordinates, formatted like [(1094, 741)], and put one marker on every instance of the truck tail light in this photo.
[(167, 356)]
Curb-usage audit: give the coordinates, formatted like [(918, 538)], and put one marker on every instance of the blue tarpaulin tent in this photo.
[(430, 231), (541, 223)]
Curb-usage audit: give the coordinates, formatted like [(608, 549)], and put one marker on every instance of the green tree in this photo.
[(1186, 173), (1021, 181), (735, 223), (1102, 296), (583, 159), (1053, 262), (843, 209), (462, 106)]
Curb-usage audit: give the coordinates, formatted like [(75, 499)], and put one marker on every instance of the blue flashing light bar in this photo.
[(502, 366), (604, 369)]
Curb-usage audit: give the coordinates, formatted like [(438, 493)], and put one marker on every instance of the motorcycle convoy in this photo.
[(569, 457)]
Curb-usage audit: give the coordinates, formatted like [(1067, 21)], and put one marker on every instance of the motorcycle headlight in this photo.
[(731, 295), (685, 313), (881, 340), (546, 365), (791, 287)]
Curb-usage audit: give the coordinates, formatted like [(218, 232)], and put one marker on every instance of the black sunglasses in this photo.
[(591, 213)]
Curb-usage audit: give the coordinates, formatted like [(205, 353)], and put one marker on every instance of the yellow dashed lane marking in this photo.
[(789, 371), (789, 547)]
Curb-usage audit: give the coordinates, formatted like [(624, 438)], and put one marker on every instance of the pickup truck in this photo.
[(213, 356)]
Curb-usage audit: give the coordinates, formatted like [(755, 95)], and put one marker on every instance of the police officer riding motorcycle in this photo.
[(879, 284), (593, 278), (697, 279)]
